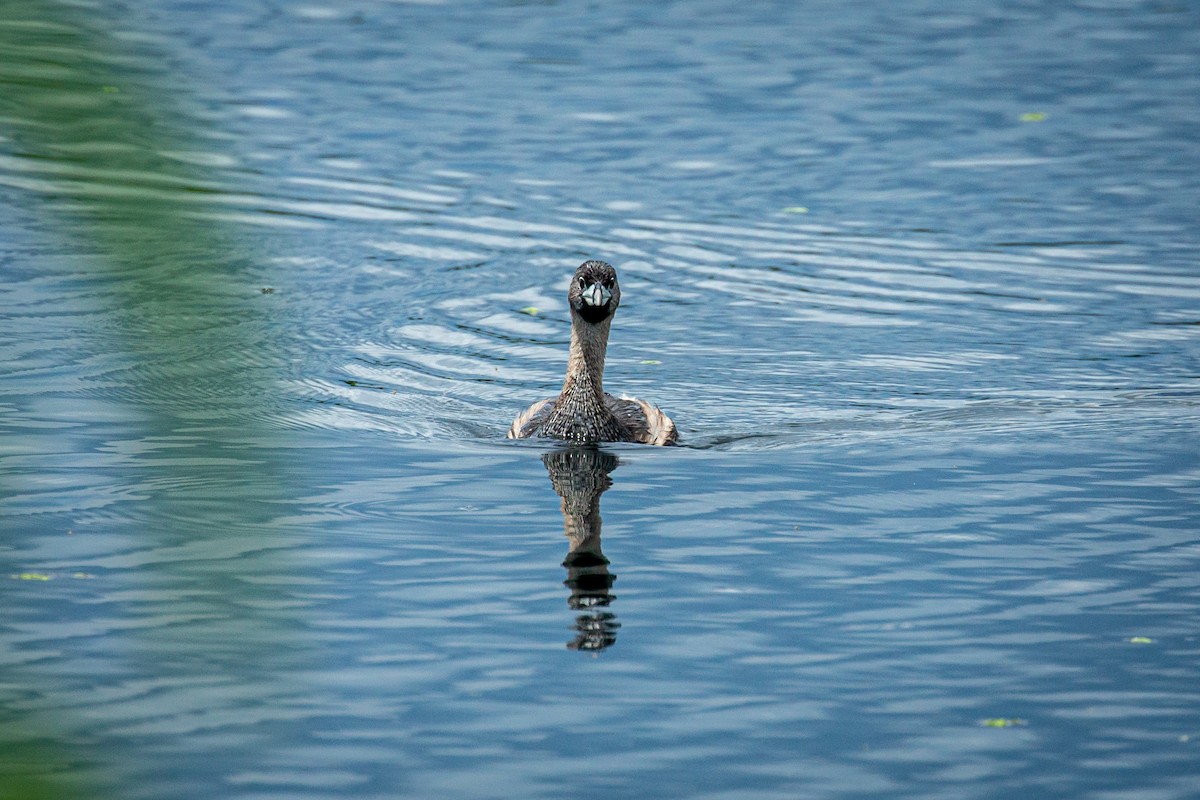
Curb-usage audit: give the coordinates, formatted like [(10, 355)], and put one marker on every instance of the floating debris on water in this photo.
[(1003, 722)]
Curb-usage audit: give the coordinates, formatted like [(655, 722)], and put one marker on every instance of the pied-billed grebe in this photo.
[(583, 412)]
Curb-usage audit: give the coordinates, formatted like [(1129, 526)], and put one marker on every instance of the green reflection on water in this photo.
[(99, 130), (28, 772)]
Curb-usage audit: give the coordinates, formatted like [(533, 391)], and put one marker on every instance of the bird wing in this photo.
[(529, 420), (645, 421)]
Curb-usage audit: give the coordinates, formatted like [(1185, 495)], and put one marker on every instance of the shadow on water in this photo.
[(579, 476), (92, 123)]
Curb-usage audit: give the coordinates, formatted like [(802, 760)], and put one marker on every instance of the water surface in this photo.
[(917, 283)]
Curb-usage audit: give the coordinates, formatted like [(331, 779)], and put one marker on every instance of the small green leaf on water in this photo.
[(530, 310), (32, 576), (1033, 116), (1140, 640), (650, 361), (1002, 722), (110, 89), (796, 210)]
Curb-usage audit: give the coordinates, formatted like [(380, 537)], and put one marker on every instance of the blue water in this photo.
[(918, 282)]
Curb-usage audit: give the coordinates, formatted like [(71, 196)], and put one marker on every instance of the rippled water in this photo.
[(918, 283)]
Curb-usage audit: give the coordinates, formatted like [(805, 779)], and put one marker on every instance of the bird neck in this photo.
[(585, 365)]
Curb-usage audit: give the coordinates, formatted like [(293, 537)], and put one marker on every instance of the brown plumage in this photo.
[(583, 412)]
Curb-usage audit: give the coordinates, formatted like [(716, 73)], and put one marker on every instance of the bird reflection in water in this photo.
[(579, 476)]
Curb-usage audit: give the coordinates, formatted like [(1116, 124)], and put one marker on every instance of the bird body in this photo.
[(583, 412)]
